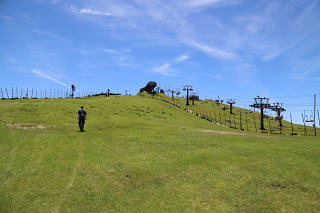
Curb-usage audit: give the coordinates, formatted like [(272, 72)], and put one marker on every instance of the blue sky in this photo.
[(227, 48)]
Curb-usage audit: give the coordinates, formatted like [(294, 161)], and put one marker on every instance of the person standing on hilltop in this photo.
[(82, 116)]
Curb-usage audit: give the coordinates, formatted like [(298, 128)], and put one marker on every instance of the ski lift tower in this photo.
[(193, 97), (261, 103), (277, 107), (172, 92), (187, 88), (231, 102)]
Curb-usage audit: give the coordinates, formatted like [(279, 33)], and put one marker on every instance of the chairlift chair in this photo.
[(310, 119)]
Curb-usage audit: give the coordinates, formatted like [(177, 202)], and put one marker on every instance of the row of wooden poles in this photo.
[(17, 93), (230, 120)]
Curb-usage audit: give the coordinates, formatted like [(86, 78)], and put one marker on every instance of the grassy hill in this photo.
[(139, 154)]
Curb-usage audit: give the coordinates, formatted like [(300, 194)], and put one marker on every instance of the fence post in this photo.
[(280, 129), (318, 117), (215, 117), (291, 124), (269, 124), (234, 120), (225, 119), (11, 92), (7, 93), (255, 125), (17, 95), (240, 120), (2, 94), (304, 124), (247, 124), (219, 118)]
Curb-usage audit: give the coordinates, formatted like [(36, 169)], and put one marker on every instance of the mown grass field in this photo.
[(139, 154)]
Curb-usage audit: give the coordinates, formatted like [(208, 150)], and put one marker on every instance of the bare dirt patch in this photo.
[(40, 127), (25, 126), (232, 133)]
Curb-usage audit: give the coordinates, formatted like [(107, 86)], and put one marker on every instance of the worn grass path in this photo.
[(142, 155)]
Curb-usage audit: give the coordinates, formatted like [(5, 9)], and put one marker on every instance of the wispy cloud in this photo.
[(45, 33), (216, 77), (201, 3), (248, 37), (305, 68), (7, 18), (211, 51), (94, 12), (165, 70), (182, 58), (142, 16), (109, 51), (107, 9), (124, 60), (45, 76)]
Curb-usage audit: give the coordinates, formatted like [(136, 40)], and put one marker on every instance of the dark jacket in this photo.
[(82, 114)]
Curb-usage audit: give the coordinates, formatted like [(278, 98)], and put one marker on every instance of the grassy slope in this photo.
[(143, 155), (220, 112)]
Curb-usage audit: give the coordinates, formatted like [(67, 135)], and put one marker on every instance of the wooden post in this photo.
[(219, 118), (2, 94), (17, 95), (234, 120), (304, 124), (11, 92), (240, 120), (215, 117), (314, 112), (225, 119), (318, 118), (291, 124), (255, 125), (7, 93), (275, 122), (280, 126), (269, 124), (21, 93), (247, 124)]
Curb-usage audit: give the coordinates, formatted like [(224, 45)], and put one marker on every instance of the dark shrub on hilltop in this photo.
[(149, 88)]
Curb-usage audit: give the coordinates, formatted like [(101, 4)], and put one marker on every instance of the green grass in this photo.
[(139, 154)]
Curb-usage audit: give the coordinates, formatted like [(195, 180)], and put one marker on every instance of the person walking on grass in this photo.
[(82, 116)]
